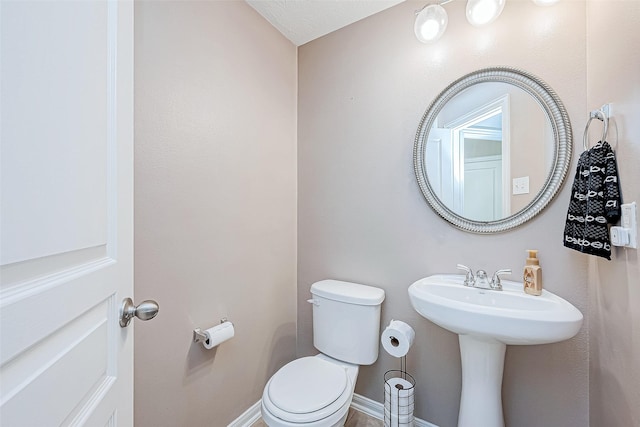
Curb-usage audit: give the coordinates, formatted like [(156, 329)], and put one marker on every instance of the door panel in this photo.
[(56, 73), (439, 164), (66, 257), (483, 189)]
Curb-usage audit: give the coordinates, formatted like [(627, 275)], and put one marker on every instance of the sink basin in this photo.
[(509, 316), (486, 321)]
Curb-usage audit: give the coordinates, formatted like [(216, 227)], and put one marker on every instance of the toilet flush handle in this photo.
[(313, 301)]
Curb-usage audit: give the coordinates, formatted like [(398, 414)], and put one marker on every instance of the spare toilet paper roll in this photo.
[(397, 338), (398, 397), (400, 410), (218, 334), (399, 420)]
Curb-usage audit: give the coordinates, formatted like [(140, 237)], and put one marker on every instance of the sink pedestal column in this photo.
[(482, 368)]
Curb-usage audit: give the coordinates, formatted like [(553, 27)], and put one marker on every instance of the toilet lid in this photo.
[(307, 385)]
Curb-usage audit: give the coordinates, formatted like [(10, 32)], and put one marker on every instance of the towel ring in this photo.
[(600, 115)]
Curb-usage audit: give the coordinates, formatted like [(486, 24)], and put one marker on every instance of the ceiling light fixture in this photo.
[(431, 20), (482, 12)]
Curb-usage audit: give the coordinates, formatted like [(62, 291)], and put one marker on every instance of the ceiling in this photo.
[(304, 20)]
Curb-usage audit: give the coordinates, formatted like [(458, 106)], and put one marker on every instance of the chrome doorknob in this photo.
[(146, 310)]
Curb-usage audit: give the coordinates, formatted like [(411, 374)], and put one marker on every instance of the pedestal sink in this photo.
[(486, 321)]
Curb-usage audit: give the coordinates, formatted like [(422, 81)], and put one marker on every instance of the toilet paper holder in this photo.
[(199, 336)]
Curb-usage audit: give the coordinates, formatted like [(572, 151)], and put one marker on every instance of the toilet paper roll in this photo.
[(397, 338), (218, 334), (401, 410), (398, 398), (399, 421)]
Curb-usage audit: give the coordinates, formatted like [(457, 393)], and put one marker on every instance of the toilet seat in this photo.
[(307, 390)]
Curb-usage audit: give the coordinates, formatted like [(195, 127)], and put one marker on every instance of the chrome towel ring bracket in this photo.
[(603, 115)]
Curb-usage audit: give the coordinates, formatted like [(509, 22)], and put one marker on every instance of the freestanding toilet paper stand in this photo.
[(399, 396)]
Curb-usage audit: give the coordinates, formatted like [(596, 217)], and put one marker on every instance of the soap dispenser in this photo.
[(532, 276)]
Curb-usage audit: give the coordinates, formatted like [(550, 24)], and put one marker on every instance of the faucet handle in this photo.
[(495, 281), (469, 280)]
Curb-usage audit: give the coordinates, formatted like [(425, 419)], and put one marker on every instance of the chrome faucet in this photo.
[(480, 280)]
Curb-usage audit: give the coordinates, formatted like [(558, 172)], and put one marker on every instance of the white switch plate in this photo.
[(521, 185)]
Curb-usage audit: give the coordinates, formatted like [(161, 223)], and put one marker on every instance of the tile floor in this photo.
[(354, 419)]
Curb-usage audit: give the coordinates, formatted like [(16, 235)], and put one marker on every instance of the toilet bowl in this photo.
[(316, 391), (313, 391)]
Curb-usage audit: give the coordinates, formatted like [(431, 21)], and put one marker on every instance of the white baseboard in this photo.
[(360, 403), (248, 417)]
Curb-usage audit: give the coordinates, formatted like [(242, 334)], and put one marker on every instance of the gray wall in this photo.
[(215, 212), (362, 218), (613, 75)]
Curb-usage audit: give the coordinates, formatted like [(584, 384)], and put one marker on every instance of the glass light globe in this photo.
[(482, 12), (431, 23)]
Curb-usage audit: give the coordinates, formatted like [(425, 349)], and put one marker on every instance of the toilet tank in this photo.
[(346, 320)]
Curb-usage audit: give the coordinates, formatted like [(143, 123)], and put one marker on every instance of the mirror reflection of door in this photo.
[(469, 161), (439, 161), (482, 167), (482, 182)]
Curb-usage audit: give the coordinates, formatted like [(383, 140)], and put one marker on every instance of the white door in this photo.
[(482, 182), (439, 160), (66, 213)]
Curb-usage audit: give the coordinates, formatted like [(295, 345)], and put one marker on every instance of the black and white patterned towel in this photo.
[(595, 202)]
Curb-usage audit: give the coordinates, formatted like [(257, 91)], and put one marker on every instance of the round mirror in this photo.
[(492, 149)]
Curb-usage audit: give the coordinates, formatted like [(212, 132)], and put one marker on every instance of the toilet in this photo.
[(316, 391)]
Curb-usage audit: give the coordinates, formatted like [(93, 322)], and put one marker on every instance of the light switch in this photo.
[(521, 185)]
